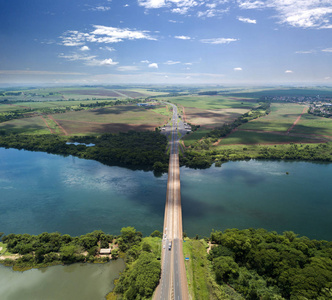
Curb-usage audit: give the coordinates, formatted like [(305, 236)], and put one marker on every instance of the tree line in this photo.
[(140, 150), (266, 265)]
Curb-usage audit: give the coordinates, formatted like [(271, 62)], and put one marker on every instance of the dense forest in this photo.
[(141, 150), (265, 265)]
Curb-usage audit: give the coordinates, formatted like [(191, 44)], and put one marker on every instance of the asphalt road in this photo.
[(173, 283)]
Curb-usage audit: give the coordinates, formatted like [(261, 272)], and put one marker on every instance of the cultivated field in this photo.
[(212, 118), (34, 125), (213, 102), (248, 138), (314, 125), (280, 119), (112, 119)]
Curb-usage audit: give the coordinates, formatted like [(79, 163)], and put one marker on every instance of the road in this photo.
[(173, 283)]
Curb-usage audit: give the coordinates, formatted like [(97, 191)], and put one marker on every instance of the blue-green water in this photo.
[(77, 281), (42, 192), (259, 194)]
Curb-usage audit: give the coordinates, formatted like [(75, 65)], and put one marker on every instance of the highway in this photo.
[(173, 282)]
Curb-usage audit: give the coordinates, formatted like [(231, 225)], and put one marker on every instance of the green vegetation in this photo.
[(266, 265), (134, 149), (47, 249), (201, 280), (211, 102), (143, 268), (281, 118), (306, 152)]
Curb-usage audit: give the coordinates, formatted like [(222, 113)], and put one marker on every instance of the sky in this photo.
[(218, 42)]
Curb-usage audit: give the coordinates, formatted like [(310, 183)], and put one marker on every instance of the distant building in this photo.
[(105, 251)]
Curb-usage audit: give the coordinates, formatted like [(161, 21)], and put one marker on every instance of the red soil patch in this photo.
[(47, 124), (297, 120), (63, 130)]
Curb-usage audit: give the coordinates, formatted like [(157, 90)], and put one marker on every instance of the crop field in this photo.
[(34, 125), (280, 119), (313, 125), (212, 118), (74, 93), (248, 138), (113, 119), (213, 102)]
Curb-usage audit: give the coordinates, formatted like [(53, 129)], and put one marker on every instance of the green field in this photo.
[(281, 118), (34, 125), (244, 137), (310, 124), (212, 102), (191, 138)]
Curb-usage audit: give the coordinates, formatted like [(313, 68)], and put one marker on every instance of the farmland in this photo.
[(110, 119)]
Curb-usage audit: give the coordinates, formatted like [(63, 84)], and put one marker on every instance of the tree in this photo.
[(156, 233), (225, 268)]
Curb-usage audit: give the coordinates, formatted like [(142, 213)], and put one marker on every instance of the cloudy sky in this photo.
[(166, 42)]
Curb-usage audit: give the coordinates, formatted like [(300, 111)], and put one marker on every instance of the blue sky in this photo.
[(257, 42)]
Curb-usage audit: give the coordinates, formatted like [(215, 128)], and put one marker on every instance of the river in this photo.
[(43, 192)]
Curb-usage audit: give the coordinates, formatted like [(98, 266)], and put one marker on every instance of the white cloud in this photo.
[(89, 60), (237, 69), (249, 4), (296, 13), (175, 22), (211, 12), (171, 62), (101, 8), (289, 71), (103, 34), (110, 49), (153, 66), (145, 61), (327, 50), (72, 38), (176, 6), (127, 68), (105, 62), (305, 52), (152, 3), (183, 37), (217, 41), (85, 48), (246, 20)]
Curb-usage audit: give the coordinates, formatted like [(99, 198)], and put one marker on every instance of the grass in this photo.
[(34, 125), (212, 102), (310, 124), (281, 118), (4, 248), (200, 276), (191, 138), (244, 137)]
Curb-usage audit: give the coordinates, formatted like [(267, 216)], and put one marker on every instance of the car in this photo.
[(170, 246)]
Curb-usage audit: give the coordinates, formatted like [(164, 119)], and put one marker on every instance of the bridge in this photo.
[(173, 283)]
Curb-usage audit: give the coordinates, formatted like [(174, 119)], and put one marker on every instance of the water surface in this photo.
[(77, 281), (42, 192)]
